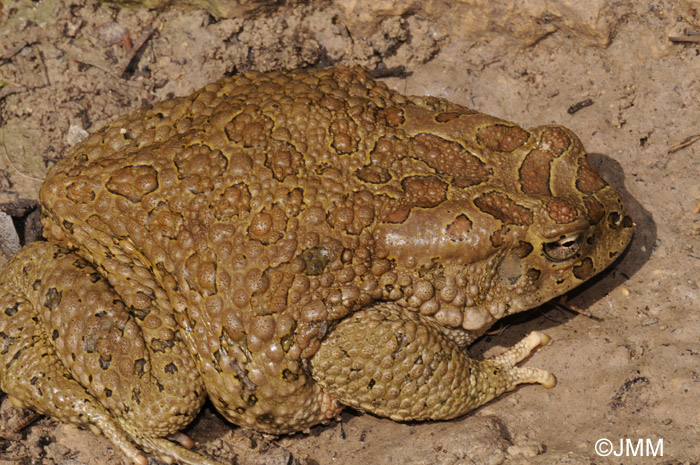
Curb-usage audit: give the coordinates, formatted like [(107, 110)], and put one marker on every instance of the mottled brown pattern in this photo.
[(268, 225), (250, 128), (81, 191), (356, 212), (587, 180), (560, 210), (200, 161), (555, 141), (264, 242), (535, 172), (498, 238), (394, 116), (594, 209), (459, 229), (424, 191), (233, 201), (373, 174), (132, 182), (446, 117), (503, 208), (450, 158), (502, 138), (284, 160)]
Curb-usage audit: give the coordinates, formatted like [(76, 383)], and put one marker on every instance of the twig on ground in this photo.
[(15, 50), (690, 38), (45, 72), (579, 106), (562, 303), (684, 143), (9, 90), (138, 45)]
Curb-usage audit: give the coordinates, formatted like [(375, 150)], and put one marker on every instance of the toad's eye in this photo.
[(564, 248)]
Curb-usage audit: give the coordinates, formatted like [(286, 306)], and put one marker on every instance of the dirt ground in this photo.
[(628, 373)]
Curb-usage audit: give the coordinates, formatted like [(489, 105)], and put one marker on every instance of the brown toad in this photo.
[(287, 243)]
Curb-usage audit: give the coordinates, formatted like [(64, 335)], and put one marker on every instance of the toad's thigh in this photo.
[(133, 361)]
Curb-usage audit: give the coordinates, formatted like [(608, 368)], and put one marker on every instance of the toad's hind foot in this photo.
[(172, 453), (516, 354)]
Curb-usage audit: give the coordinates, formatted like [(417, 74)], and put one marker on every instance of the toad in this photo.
[(285, 244)]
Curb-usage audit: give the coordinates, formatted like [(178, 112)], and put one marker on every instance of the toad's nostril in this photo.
[(616, 221), (614, 218)]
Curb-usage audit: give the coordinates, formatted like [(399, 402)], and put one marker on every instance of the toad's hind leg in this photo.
[(70, 349), (392, 362)]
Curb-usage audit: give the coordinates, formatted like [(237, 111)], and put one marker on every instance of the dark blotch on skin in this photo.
[(533, 274), (159, 345), (373, 174), (523, 250), (12, 311), (616, 221), (265, 418), (80, 264), (316, 259), (53, 299), (139, 367), (584, 269)]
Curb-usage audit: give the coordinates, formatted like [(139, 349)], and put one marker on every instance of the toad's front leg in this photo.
[(392, 362)]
